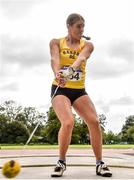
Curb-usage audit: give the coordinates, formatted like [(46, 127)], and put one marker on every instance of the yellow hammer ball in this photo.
[(11, 169)]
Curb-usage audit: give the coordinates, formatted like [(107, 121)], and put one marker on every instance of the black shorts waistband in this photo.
[(70, 93)]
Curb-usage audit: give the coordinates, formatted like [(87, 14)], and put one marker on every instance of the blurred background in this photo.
[(27, 26)]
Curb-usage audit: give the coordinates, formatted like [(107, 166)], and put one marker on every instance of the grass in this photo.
[(111, 146), (78, 146)]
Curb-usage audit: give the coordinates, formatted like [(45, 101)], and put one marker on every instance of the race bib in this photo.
[(76, 76)]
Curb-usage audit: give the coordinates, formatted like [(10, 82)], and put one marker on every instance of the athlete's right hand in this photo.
[(60, 79)]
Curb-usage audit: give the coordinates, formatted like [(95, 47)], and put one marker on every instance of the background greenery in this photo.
[(17, 123)]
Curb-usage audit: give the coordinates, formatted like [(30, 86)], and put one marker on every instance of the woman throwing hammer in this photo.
[(69, 56)]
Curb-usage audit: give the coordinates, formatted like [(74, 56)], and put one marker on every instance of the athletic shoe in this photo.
[(59, 169), (103, 170)]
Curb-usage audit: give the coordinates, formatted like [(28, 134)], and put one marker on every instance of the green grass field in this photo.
[(35, 146)]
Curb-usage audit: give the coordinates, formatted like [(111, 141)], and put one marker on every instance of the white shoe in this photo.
[(59, 169), (103, 170)]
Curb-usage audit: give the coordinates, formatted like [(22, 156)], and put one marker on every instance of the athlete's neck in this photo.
[(72, 40), (72, 43)]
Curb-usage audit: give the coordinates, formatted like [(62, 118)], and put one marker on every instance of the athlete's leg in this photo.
[(85, 108), (62, 108)]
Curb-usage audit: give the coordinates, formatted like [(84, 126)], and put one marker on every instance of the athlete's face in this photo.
[(77, 29)]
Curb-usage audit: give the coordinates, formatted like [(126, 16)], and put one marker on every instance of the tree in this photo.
[(50, 131), (80, 134), (125, 132), (27, 117), (21, 118), (102, 120), (111, 138), (51, 128), (14, 132), (128, 123), (10, 109), (32, 117), (130, 134), (3, 126)]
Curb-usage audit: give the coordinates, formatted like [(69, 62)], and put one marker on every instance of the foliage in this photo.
[(10, 109), (127, 130), (17, 123), (3, 126), (52, 126), (25, 119), (50, 131), (14, 132), (130, 135), (102, 120), (128, 123), (111, 138), (80, 133)]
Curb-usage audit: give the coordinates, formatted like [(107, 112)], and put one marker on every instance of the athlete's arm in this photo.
[(54, 52), (84, 55), (55, 61)]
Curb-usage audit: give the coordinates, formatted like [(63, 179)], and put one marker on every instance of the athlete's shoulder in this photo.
[(89, 45), (56, 41)]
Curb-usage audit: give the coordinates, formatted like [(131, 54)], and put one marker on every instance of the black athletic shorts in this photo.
[(72, 94)]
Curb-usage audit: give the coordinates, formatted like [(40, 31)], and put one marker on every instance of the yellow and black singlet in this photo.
[(67, 58)]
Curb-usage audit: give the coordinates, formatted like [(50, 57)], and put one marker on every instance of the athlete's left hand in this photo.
[(61, 80)]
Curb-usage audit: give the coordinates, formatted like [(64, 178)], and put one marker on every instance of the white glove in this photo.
[(68, 72)]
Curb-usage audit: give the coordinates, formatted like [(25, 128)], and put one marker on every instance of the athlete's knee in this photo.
[(68, 124), (94, 121)]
